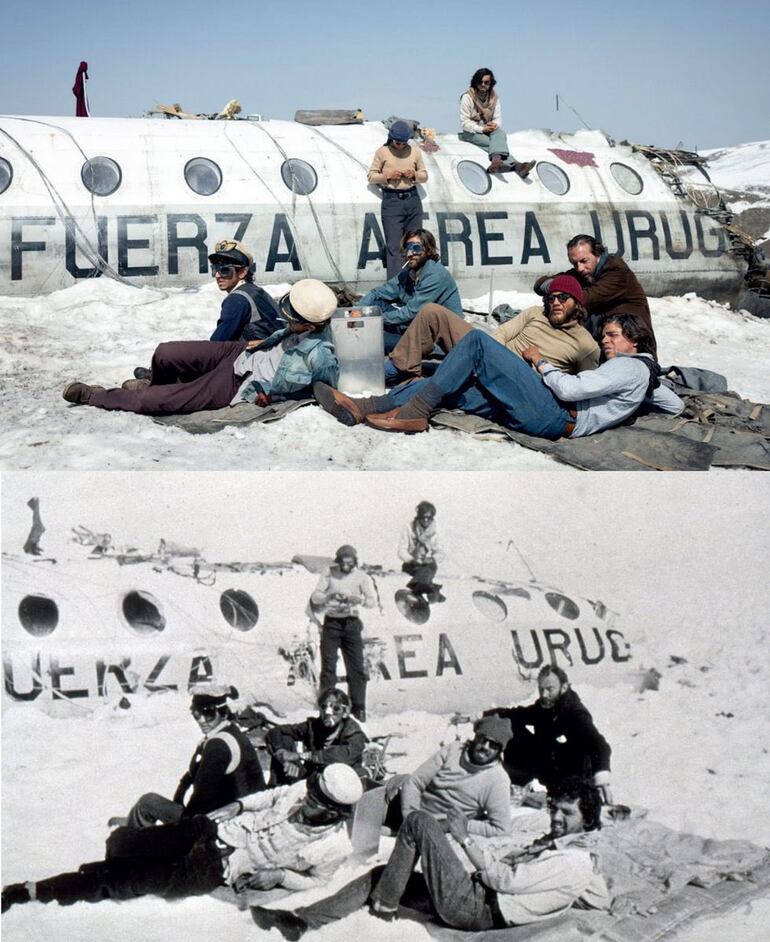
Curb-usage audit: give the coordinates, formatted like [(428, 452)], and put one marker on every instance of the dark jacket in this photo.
[(564, 739), (615, 290), (248, 313), (223, 768), (346, 743)]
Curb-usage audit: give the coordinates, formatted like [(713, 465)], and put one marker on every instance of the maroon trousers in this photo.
[(187, 376)]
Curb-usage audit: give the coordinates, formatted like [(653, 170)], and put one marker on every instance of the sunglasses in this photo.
[(491, 743), (226, 271), (558, 296), (414, 248), (336, 708), (204, 713)]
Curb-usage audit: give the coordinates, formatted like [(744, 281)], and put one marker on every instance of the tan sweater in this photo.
[(572, 349), (386, 159)]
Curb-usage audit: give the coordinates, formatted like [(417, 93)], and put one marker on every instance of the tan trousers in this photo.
[(433, 325)]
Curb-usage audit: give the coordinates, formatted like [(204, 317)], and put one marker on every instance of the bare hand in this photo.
[(263, 399), (408, 174), (393, 786), (252, 344), (392, 175), (490, 126), (458, 824), (532, 353), (225, 813)]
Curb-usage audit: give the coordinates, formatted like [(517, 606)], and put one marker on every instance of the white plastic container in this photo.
[(358, 342)]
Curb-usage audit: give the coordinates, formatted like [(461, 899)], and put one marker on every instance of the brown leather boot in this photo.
[(523, 169), (79, 393), (135, 384)]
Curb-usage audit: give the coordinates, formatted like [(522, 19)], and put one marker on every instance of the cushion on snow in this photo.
[(214, 420)]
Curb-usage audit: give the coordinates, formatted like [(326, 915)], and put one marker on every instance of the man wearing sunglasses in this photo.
[(248, 312), (298, 749), (609, 285), (481, 377), (465, 777), (223, 768), (422, 280), (492, 890), (292, 837), (191, 376)]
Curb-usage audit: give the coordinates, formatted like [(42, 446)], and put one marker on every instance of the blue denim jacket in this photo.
[(311, 360), (403, 297)]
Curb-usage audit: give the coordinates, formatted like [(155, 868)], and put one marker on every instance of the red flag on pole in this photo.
[(79, 91)]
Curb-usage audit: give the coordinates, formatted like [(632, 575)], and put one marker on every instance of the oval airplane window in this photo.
[(239, 609), (413, 607), (627, 178), (553, 178), (101, 176), (6, 174), (203, 176), (562, 605), (474, 177), (299, 176), (142, 613), (491, 606), (38, 615)]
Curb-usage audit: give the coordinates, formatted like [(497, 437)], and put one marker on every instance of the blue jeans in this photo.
[(457, 899), (484, 378), (494, 143)]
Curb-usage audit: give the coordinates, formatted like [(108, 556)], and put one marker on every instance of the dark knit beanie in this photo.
[(567, 284), (495, 728)]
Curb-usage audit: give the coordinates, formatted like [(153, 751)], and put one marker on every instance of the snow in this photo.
[(99, 330), (682, 558), (743, 167)]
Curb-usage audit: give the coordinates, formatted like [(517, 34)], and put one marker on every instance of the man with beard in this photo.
[(467, 777), (555, 737), (481, 377), (609, 285), (298, 749), (422, 280), (522, 887), (554, 329)]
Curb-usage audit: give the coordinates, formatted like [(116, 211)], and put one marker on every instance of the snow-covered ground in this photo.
[(683, 558), (98, 331)]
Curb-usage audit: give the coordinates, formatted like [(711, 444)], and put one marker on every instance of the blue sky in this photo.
[(695, 73)]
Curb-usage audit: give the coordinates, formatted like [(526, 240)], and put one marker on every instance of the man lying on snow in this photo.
[(292, 837), (556, 328), (463, 777), (224, 767), (482, 377), (523, 886), (191, 376), (298, 749)]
